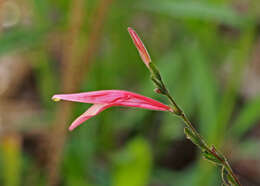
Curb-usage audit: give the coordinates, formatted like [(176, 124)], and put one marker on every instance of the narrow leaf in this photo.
[(210, 157), (195, 139), (197, 10), (247, 118)]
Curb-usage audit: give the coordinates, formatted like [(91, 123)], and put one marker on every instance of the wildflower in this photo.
[(104, 99), (140, 47)]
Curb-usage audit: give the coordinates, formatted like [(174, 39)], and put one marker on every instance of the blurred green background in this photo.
[(208, 52)]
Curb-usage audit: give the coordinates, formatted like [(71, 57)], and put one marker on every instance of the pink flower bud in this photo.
[(140, 47)]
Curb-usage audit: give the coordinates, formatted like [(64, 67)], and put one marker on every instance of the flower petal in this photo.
[(114, 97), (140, 47), (92, 111)]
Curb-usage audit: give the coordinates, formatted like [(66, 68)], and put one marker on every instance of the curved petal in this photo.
[(92, 111), (115, 97)]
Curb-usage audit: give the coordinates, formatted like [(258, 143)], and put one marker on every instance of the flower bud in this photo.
[(157, 90), (140, 47)]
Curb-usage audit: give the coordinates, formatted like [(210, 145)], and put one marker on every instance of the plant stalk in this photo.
[(179, 112)]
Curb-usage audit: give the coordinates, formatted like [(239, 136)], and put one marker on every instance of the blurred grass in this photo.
[(134, 161), (246, 119), (20, 38), (197, 10), (11, 159), (190, 41)]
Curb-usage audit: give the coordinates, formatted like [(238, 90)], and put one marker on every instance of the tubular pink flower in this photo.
[(140, 47), (104, 99)]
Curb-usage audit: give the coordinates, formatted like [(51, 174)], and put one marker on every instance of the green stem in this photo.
[(178, 111), (231, 173), (156, 78), (224, 161)]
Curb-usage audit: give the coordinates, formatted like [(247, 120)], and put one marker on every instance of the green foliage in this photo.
[(247, 118), (12, 161), (20, 38), (190, 41), (134, 162), (197, 10)]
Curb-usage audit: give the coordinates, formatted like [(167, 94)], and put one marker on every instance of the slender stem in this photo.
[(224, 161), (188, 123), (230, 171), (178, 111), (173, 102)]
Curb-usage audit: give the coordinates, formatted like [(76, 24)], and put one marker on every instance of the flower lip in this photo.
[(91, 112), (140, 46)]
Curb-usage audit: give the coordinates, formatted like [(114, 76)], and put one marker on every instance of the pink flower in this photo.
[(104, 99), (140, 47)]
